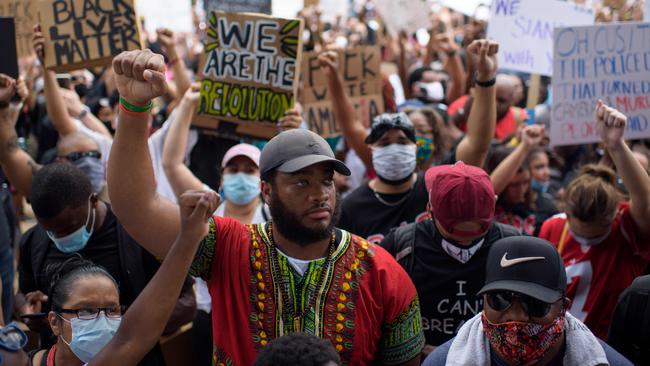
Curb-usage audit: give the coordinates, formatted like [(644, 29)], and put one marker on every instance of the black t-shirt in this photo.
[(366, 215), (102, 249), (446, 287)]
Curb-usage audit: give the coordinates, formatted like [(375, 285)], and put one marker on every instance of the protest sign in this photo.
[(407, 15), (467, 7), (87, 33), (24, 13), (360, 70), (609, 62), (249, 72), (172, 14), (238, 6), (524, 30), (646, 10), (9, 59)]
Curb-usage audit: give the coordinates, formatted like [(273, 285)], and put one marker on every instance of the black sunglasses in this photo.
[(502, 301), (74, 156)]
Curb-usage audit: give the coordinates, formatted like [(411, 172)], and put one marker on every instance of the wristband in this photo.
[(128, 107), (84, 112), (486, 83), (172, 62)]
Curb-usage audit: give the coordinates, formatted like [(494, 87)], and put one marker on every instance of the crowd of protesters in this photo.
[(447, 231)]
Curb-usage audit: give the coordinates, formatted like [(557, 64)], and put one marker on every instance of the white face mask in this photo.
[(394, 162), (588, 242), (463, 255)]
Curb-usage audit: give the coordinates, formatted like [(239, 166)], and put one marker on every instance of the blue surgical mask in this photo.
[(94, 169), (538, 186), (241, 188), (588, 242), (90, 336), (78, 239)]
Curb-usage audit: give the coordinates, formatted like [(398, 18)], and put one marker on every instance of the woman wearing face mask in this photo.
[(431, 136), (240, 189), (604, 241), (86, 315), (540, 172), (518, 205)]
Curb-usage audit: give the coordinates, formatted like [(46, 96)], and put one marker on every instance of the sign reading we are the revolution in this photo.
[(249, 71), (86, 33), (609, 62), (360, 70)]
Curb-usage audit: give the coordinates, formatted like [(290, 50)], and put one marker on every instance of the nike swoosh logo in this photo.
[(505, 262)]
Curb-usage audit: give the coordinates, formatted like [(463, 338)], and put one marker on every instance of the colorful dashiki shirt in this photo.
[(367, 307)]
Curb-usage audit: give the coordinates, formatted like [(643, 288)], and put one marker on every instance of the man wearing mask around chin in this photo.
[(604, 240), (524, 319), (73, 221), (295, 273), (398, 195), (445, 254)]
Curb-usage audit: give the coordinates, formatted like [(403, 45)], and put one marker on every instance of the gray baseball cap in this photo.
[(296, 149)]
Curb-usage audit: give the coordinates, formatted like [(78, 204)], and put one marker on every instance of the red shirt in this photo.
[(597, 275), (505, 127)]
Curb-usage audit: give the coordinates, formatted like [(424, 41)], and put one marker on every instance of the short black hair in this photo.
[(57, 186), (298, 349), (417, 75), (62, 275), (269, 176)]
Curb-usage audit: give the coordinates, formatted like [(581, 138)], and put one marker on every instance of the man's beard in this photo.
[(288, 223)]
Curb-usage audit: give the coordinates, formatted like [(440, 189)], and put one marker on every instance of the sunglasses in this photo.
[(502, 300), (78, 155)]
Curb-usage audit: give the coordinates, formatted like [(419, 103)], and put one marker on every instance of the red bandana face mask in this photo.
[(520, 342)]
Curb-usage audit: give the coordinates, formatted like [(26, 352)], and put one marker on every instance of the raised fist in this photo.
[(484, 55), (610, 124), (140, 76)]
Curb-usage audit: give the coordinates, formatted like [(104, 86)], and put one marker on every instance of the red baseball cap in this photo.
[(460, 193)]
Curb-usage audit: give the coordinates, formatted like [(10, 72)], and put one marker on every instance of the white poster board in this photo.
[(407, 15), (646, 10), (609, 62), (467, 7), (524, 30), (173, 14)]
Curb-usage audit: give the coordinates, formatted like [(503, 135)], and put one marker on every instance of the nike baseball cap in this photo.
[(293, 150), (527, 265)]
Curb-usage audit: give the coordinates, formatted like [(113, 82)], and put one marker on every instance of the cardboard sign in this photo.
[(407, 15), (173, 14), (238, 6), (360, 69), (9, 59), (87, 33), (25, 17), (524, 30), (609, 62), (249, 72)]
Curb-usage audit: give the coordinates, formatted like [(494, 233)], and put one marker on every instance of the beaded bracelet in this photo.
[(128, 107)]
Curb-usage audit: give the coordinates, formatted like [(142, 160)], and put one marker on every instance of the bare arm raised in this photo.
[(482, 118), (150, 219)]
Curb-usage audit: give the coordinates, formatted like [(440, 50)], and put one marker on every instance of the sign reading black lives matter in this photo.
[(249, 72), (87, 33)]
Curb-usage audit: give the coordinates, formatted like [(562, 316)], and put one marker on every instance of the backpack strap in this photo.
[(405, 246)]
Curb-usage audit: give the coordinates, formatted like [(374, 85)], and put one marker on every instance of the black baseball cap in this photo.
[(527, 265), (387, 121), (296, 149)]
